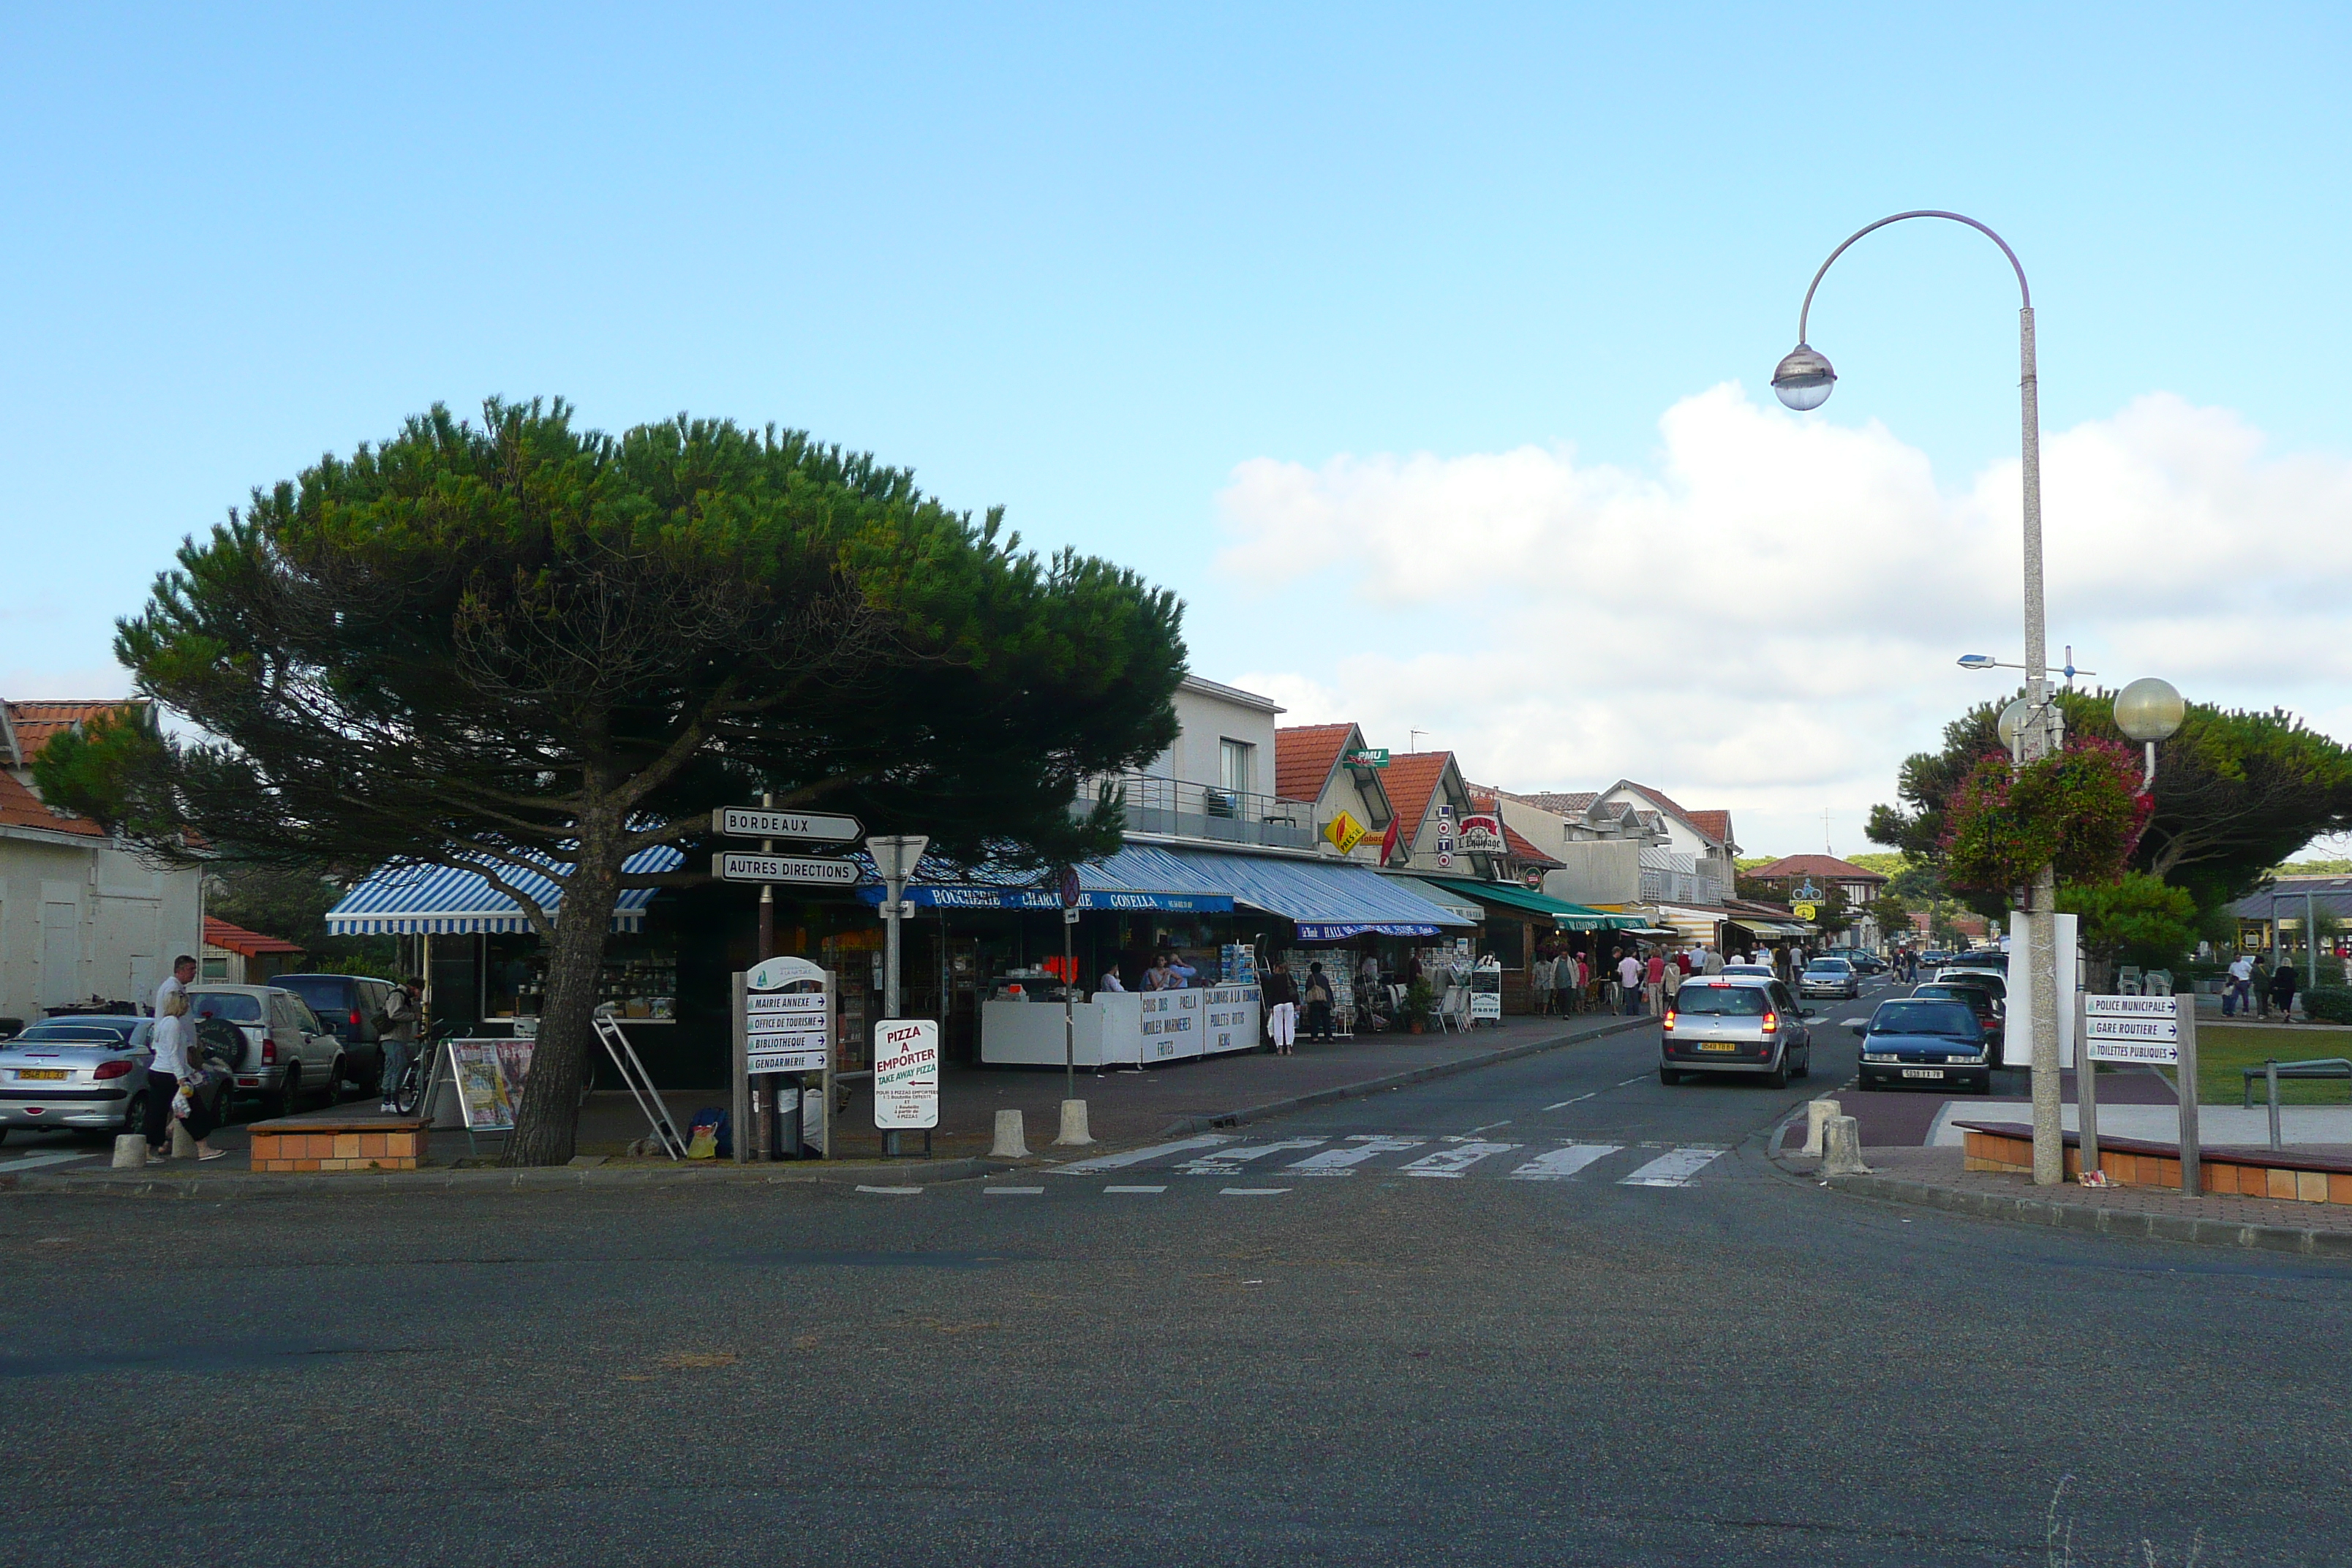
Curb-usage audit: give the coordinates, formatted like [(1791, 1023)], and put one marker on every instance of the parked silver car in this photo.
[(89, 1074), (1735, 1024), (287, 1053)]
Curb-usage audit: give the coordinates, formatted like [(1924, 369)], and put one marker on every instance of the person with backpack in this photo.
[(396, 1025), (1281, 994), (1318, 995)]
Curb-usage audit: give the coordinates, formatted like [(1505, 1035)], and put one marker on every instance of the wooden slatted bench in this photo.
[(370, 1143), (2134, 1162)]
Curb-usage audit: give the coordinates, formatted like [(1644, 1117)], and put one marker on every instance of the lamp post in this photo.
[(1804, 380), (2149, 710)]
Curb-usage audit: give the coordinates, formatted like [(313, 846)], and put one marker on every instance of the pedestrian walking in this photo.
[(397, 1027), (1281, 1008), (2233, 993), (1629, 984), (1674, 984), (184, 971), (175, 1081), (2283, 982), (1654, 985), (1710, 960), (1318, 1003), (1566, 982)]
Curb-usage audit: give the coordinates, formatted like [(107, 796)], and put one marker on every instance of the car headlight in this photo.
[(1880, 1056)]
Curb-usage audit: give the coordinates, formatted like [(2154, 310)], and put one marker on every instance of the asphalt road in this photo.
[(1458, 1361)]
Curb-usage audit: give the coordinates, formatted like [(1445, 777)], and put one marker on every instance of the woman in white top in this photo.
[(175, 1065)]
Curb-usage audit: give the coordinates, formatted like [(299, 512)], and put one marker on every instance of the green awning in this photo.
[(1510, 895)]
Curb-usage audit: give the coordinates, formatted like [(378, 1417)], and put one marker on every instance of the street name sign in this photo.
[(2143, 1029), (907, 1074), (808, 827), (808, 870)]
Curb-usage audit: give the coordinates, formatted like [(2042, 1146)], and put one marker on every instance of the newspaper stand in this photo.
[(485, 1078), (1487, 992)]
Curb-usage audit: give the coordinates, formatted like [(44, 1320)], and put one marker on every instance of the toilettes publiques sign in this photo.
[(907, 1074)]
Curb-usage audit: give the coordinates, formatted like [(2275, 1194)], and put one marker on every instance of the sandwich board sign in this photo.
[(907, 1074)]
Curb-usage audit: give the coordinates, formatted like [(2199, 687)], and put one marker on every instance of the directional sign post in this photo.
[(2147, 1031), (782, 1029), (807, 827), (804, 871)]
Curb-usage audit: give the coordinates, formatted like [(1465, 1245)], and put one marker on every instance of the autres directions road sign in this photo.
[(807, 827), (808, 870)]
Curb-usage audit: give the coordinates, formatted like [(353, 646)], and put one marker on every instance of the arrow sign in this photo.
[(809, 827), (808, 870)]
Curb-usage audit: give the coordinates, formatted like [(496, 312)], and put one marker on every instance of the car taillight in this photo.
[(1772, 1023), (1669, 1021), (268, 1050), (355, 1020), (112, 1070)]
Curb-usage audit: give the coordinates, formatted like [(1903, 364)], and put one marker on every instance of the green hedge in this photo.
[(2330, 1004)]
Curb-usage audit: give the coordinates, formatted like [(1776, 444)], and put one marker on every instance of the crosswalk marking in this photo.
[(30, 1160), (1013, 1192), (1254, 1192), (1452, 1163), (1138, 1156), (890, 1192), (1222, 1161), (1342, 1161), (1580, 1099), (1675, 1168), (1560, 1164), (1135, 1189)]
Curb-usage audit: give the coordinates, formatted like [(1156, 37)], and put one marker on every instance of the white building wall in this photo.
[(82, 918), (1211, 714)]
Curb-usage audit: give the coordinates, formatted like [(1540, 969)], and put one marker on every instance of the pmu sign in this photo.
[(805, 827)]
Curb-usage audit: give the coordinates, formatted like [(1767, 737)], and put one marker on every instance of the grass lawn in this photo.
[(2222, 1051)]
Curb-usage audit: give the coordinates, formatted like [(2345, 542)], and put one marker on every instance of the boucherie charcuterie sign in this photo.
[(907, 1073)]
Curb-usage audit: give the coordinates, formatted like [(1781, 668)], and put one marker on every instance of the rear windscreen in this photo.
[(1923, 1019), (1722, 1001), (234, 1005), (324, 995)]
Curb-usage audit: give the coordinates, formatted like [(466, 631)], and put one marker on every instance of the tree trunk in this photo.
[(547, 1121)]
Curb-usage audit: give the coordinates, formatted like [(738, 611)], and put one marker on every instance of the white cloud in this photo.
[(1768, 621)]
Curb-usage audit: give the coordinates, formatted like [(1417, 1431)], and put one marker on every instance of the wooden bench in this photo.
[(370, 1143)]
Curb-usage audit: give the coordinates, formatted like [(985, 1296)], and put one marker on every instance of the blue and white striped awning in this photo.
[(1328, 902), (1137, 878), (442, 900)]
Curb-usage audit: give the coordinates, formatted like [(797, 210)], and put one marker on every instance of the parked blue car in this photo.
[(1931, 1043)]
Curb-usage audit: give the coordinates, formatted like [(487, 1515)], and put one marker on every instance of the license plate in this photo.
[(41, 1072), (1717, 1046), (1922, 1072)]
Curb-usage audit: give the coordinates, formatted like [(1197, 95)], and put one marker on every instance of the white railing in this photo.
[(1177, 809)]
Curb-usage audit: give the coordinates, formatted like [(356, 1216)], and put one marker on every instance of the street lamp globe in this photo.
[(2149, 709), (1803, 379)]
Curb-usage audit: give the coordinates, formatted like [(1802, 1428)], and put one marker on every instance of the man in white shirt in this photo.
[(2241, 981), (183, 970), (1110, 981), (1629, 981)]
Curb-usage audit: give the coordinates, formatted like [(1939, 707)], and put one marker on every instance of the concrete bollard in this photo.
[(182, 1146), (1816, 1113), (1841, 1148), (1011, 1142), (1074, 1124), (131, 1150)]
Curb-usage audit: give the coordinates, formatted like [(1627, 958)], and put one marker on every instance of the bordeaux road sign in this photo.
[(808, 827), (808, 870)]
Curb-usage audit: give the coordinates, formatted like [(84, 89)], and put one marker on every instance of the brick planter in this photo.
[(2132, 1162), (378, 1143)]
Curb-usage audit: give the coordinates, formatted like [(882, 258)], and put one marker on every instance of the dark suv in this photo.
[(349, 1005)]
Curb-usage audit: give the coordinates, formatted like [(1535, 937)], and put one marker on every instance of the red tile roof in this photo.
[(1304, 757), (1789, 866), (1412, 779), (1660, 797), (20, 807), (34, 724), (236, 939), (1715, 825)]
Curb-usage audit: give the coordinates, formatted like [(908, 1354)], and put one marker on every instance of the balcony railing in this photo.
[(1176, 808)]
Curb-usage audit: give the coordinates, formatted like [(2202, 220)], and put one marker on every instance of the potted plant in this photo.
[(1417, 999)]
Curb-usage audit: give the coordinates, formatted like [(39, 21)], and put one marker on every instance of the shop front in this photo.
[(1520, 925)]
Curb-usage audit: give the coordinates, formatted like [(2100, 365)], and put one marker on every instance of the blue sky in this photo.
[(1089, 263)]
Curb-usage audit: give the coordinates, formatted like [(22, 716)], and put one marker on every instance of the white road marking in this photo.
[(1564, 1104), (1254, 1192), (1637, 1077), (1341, 1161), (31, 1161), (1138, 1156), (1451, 1163), (1560, 1164), (1676, 1168), (1505, 1121), (892, 1192), (1221, 1162), (1013, 1192), (1851, 1022), (1135, 1189)]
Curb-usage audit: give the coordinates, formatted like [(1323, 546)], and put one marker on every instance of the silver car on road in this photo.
[(89, 1074), (1735, 1024)]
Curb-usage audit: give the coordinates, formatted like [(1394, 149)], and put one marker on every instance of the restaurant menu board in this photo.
[(489, 1075), (907, 1073), (786, 1031)]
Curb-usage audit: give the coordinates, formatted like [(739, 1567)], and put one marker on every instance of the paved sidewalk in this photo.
[(1934, 1178)]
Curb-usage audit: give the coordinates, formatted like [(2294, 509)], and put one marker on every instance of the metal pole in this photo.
[(764, 945), (739, 1111), (2310, 947), (893, 889), (2270, 1075), (2191, 1174), (2086, 1086), (1069, 1013), (2042, 956)]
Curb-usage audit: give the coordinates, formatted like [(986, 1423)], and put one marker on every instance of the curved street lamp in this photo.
[(1804, 380), (2149, 710)]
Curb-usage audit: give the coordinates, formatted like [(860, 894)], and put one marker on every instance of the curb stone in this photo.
[(2132, 1223), (1185, 1125), (553, 1178)]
